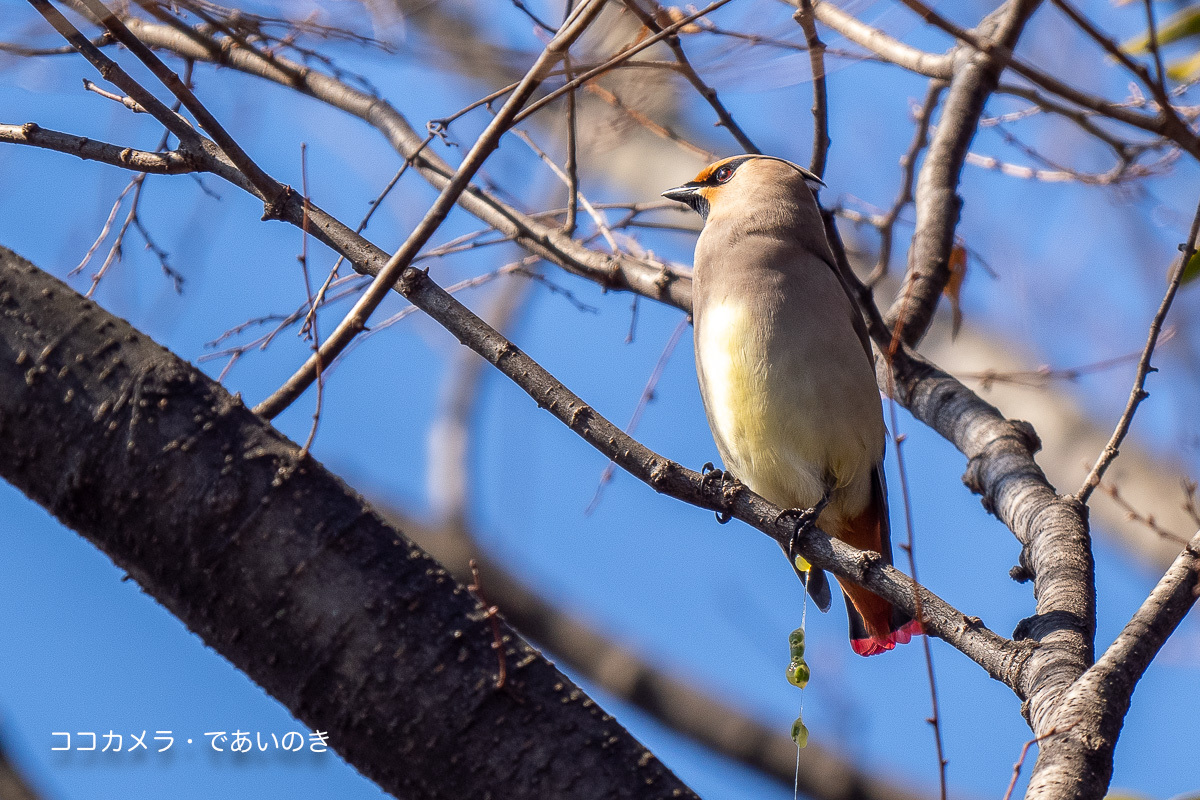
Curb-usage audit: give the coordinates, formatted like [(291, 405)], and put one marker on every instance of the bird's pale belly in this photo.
[(780, 431)]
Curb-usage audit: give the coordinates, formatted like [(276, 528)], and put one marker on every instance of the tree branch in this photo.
[(1138, 393), (1076, 755), (976, 75), (171, 162), (356, 321), (820, 106), (281, 568), (931, 65), (654, 280)]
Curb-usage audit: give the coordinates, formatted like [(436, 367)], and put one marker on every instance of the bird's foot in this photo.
[(806, 518), (727, 489)]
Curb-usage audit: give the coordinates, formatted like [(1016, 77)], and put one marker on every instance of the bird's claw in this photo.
[(805, 519), (708, 476)]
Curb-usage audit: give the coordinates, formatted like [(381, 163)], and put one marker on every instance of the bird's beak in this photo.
[(682, 194), (689, 194)]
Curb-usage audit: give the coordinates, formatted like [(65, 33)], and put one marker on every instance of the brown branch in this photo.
[(820, 106), (908, 170), (938, 204), (1159, 90), (1138, 393), (112, 72), (931, 65), (618, 59), (268, 187), (547, 241), (1160, 72), (1160, 123), (689, 72), (488, 141), (1075, 759), (171, 162)]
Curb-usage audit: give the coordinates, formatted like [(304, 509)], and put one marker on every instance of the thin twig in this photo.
[(1137, 394), (620, 58), (820, 106), (488, 141), (643, 401), (1021, 761), (571, 167), (1160, 74), (662, 131), (113, 73), (910, 548), (491, 612), (598, 218), (126, 101), (689, 73), (269, 189), (1134, 515), (311, 322), (908, 171)]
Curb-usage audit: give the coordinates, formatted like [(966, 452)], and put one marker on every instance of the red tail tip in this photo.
[(881, 644)]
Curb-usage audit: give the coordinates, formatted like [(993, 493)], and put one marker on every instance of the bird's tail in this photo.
[(876, 626)]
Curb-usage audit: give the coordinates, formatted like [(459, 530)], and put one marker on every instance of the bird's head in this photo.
[(739, 180)]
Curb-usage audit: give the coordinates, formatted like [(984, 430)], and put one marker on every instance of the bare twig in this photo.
[(1147, 520), (1012, 784), (820, 106), (356, 320), (908, 169), (655, 128), (571, 167), (620, 58), (910, 548), (311, 321), (1160, 74), (876, 41), (491, 612), (113, 73), (268, 187), (126, 101), (643, 401), (1137, 394), (938, 204), (689, 73)]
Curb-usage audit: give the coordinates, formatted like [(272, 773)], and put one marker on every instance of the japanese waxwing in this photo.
[(786, 370)]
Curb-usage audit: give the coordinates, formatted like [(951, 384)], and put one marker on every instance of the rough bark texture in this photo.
[(284, 570)]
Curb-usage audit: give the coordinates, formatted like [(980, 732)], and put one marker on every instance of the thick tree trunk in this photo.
[(283, 569)]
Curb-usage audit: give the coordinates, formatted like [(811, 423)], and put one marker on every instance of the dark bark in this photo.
[(283, 569)]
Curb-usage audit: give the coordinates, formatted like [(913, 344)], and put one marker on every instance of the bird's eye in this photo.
[(723, 174)]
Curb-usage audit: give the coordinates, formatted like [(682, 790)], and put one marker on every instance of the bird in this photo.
[(786, 371)]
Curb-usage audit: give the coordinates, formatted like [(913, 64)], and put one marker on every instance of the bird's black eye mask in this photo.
[(692, 194)]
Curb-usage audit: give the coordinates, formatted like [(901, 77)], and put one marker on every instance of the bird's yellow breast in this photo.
[(733, 374), (776, 426)]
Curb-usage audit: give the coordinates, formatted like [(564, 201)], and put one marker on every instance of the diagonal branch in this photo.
[(893, 51), (268, 187), (1075, 759), (648, 278), (693, 77), (356, 321), (112, 72), (1138, 393), (938, 205)]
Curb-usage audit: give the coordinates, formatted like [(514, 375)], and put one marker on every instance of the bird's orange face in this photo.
[(704, 191)]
